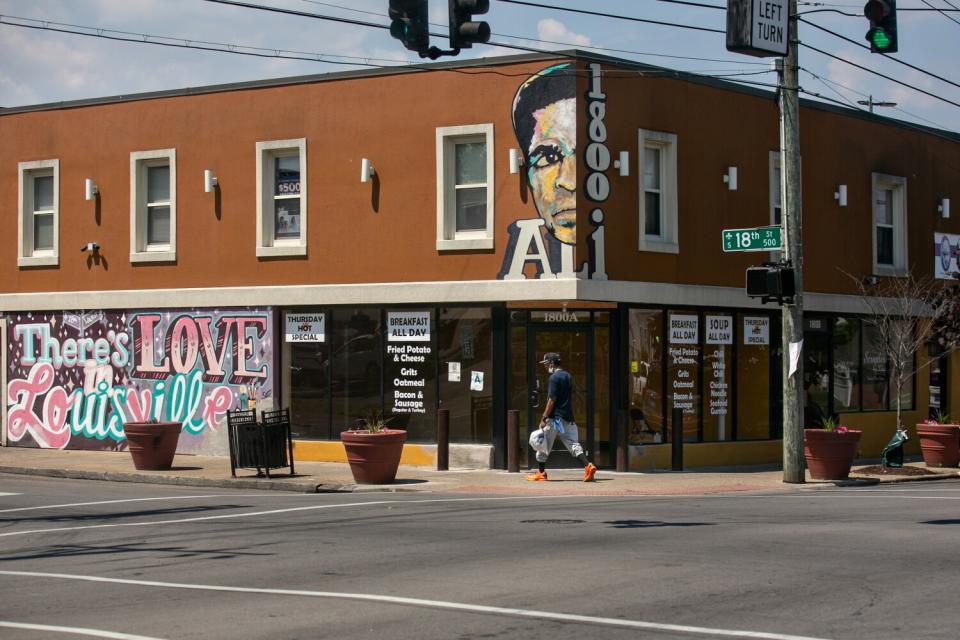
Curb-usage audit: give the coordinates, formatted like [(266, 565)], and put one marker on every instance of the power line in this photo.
[(941, 12), (828, 83), (185, 43), (862, 46), (877, 73), (571, 44), (267, 52), (602, 14)]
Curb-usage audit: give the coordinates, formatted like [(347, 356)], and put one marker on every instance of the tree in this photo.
[(909, 313)]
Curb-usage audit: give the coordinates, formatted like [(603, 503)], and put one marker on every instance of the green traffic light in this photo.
[(880, 39)]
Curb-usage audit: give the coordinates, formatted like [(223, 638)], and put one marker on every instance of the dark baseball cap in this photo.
[(551, 357)]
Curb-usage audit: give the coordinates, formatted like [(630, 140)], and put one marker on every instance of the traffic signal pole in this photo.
[(792, 310)]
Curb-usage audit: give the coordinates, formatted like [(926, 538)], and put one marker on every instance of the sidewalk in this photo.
[(329, 477)]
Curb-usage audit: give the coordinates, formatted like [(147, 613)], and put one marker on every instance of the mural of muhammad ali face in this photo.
[(545, 123)]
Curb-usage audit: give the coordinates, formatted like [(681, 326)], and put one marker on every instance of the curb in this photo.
[(232, 483)]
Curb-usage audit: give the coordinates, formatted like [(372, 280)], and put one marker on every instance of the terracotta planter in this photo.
[(830, 454), (940, 444), (374, 457), (152, 444)]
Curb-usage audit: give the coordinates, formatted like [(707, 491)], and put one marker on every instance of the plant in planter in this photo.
[(152, 444), (830, 451), (373, 450), (939, 441)]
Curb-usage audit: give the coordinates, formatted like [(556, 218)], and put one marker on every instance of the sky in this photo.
[(41, 65)]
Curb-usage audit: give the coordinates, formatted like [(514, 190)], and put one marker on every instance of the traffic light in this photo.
[(464, 30), (771, 282), (410, 24), (882, 35)]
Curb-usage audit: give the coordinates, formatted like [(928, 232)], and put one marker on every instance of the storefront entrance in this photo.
[(583, 341)]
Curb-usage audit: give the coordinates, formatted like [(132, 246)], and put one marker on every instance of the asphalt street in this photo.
[(118, 560)]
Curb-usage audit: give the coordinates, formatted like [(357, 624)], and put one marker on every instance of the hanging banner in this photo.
[(946, 246)]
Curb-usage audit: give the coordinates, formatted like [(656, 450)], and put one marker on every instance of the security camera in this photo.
[(92, 247)]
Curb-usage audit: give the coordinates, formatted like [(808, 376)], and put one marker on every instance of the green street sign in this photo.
[(755, 239)]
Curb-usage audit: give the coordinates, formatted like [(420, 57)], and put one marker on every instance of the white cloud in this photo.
[(556, 31)]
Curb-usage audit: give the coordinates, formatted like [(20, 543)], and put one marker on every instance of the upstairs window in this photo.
[(464, 187), (282, 197), (153, 206), (889, 204), (38, 220), (658, 188), (776, 206)]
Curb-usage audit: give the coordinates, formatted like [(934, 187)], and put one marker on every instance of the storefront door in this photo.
[(575, 346)]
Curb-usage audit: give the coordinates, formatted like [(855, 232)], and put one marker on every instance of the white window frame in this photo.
[(776, 198), (139, 250), (447, 237), (898, 186), (267, 244), (669, 240), (26, 255)]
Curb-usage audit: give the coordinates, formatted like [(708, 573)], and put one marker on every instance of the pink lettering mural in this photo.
[(74, 379)]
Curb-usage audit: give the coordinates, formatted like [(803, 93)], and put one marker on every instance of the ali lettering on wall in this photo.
[(75, 378), (545, 123)]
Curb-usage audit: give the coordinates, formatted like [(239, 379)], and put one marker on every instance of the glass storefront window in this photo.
[(875, 387), (518, 399), (309, 380), (753, 377), (683, 376), (846, 364), (410, 379), (816, 371), (718, 377), (601, 396), (355, 336), (464, 342), (646, 381)]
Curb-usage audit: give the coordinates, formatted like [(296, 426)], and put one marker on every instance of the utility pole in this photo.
[(792, 322), (871, 103)]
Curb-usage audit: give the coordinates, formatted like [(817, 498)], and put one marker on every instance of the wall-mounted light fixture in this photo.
[(840, 195), (731, 178), (92, 247), (623, 163), (944, 207), (90, 189), (209, 181), (516, 160), (366, 170)]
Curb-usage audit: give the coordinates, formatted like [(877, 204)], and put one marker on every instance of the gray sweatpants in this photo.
[(569, 435)]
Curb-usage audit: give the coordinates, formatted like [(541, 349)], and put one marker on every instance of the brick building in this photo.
[(406, 240)]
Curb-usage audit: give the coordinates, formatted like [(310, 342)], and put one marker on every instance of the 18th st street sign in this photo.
[(753, 239)]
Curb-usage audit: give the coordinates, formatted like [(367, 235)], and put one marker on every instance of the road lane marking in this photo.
[(83, 631), (4, 493), (433, 604), (98, 502), (224, 516)]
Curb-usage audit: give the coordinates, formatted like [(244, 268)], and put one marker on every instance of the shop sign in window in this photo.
[(305, 327), (684, 356), (409, 354)]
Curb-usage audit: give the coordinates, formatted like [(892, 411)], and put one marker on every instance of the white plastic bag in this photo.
[(538, 440)]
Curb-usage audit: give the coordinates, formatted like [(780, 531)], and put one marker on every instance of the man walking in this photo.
[(557, 420)]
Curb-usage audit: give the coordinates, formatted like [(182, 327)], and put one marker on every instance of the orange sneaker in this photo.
[(539, 476), (589, 471)]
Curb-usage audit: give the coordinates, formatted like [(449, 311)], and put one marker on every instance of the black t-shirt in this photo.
[(560, 388)]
